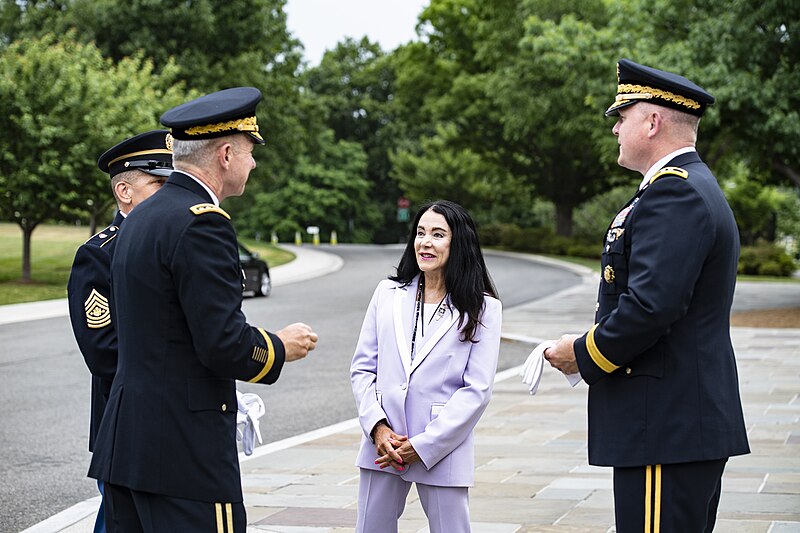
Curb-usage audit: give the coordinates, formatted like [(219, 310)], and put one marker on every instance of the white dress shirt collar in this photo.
[(661, 162)]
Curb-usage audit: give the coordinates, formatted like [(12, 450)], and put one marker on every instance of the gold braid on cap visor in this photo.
[(627, 92), (143, 152), (244, 124)]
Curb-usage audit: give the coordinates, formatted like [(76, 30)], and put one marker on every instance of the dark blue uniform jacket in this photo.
[(89, 297), (170, 424), (663, 384)]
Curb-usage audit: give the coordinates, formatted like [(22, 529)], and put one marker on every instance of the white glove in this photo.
[(532, 369), (250, 409)]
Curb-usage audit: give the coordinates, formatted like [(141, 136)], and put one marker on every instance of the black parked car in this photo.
[(256, 273)]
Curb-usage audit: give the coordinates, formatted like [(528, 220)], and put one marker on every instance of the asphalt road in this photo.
[(44, 398)]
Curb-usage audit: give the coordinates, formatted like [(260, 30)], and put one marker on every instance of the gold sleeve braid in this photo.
[(268, 359), (599, 359)]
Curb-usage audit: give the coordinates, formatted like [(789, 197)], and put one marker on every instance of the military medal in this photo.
[(608, 274), (619, 220)]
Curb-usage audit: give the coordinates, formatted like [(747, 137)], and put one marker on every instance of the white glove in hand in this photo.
[(532, 369), (250, 409)]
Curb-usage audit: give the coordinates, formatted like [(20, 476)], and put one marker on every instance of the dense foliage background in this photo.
[(497, 105)]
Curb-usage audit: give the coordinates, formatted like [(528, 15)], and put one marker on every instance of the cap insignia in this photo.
[(168, 141), (98, 312)]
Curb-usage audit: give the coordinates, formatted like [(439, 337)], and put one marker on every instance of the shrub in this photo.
[(590, 251), (535, 240), (765, 259)]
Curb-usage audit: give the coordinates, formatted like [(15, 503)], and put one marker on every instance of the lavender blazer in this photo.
[(438, 398)]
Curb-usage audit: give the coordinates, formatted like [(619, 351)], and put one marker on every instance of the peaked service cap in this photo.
[(217, 114), (636, 83), (149, 152)]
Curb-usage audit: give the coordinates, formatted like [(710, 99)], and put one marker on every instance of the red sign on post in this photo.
[(403, 213)]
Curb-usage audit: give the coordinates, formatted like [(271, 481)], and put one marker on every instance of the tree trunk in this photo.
[(27, 231), (564, 219), (787, 171)]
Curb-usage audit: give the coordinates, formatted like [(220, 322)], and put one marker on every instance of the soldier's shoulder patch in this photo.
[(200, 209), (103, 237), (670, 171)]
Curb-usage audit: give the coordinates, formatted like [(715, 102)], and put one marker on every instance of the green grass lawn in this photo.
[(273, 255), (52, 251)]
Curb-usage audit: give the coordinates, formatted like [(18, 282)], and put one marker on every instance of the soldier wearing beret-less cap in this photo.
[(167, 444), (138, 167), (664, 404)]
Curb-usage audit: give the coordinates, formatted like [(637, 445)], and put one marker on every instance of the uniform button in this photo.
[(404, 386), (628, 370), (224, 407)]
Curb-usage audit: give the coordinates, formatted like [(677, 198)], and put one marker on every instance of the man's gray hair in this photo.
[(199, 153), (196, 153)]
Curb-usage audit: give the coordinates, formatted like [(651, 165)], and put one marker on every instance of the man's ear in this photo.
[(225, 154), (122, 191), (655, 122)]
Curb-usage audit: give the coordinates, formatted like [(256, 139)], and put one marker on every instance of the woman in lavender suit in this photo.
[(422, 374)]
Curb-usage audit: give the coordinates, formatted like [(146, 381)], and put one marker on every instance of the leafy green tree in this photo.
[(61, 105), (755, 205), (747, 54), (460, 175), (450, 129), (214, 44), (354, 84), (517, 84), (329, 191), (553, 94)]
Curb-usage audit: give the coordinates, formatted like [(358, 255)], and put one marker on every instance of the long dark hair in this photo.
[(466, 278)]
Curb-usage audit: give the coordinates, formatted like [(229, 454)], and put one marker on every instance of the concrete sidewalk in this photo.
[(531, 470)]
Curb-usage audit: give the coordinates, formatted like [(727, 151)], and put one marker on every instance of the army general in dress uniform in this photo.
[(167, 443), (138, 167), (664, 405)]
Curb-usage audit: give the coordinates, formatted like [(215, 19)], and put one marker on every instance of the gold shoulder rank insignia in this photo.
[(670, 171), (98, 313), (199, 209)]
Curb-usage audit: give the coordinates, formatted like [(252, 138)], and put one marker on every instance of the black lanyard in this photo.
[(419, 312)]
